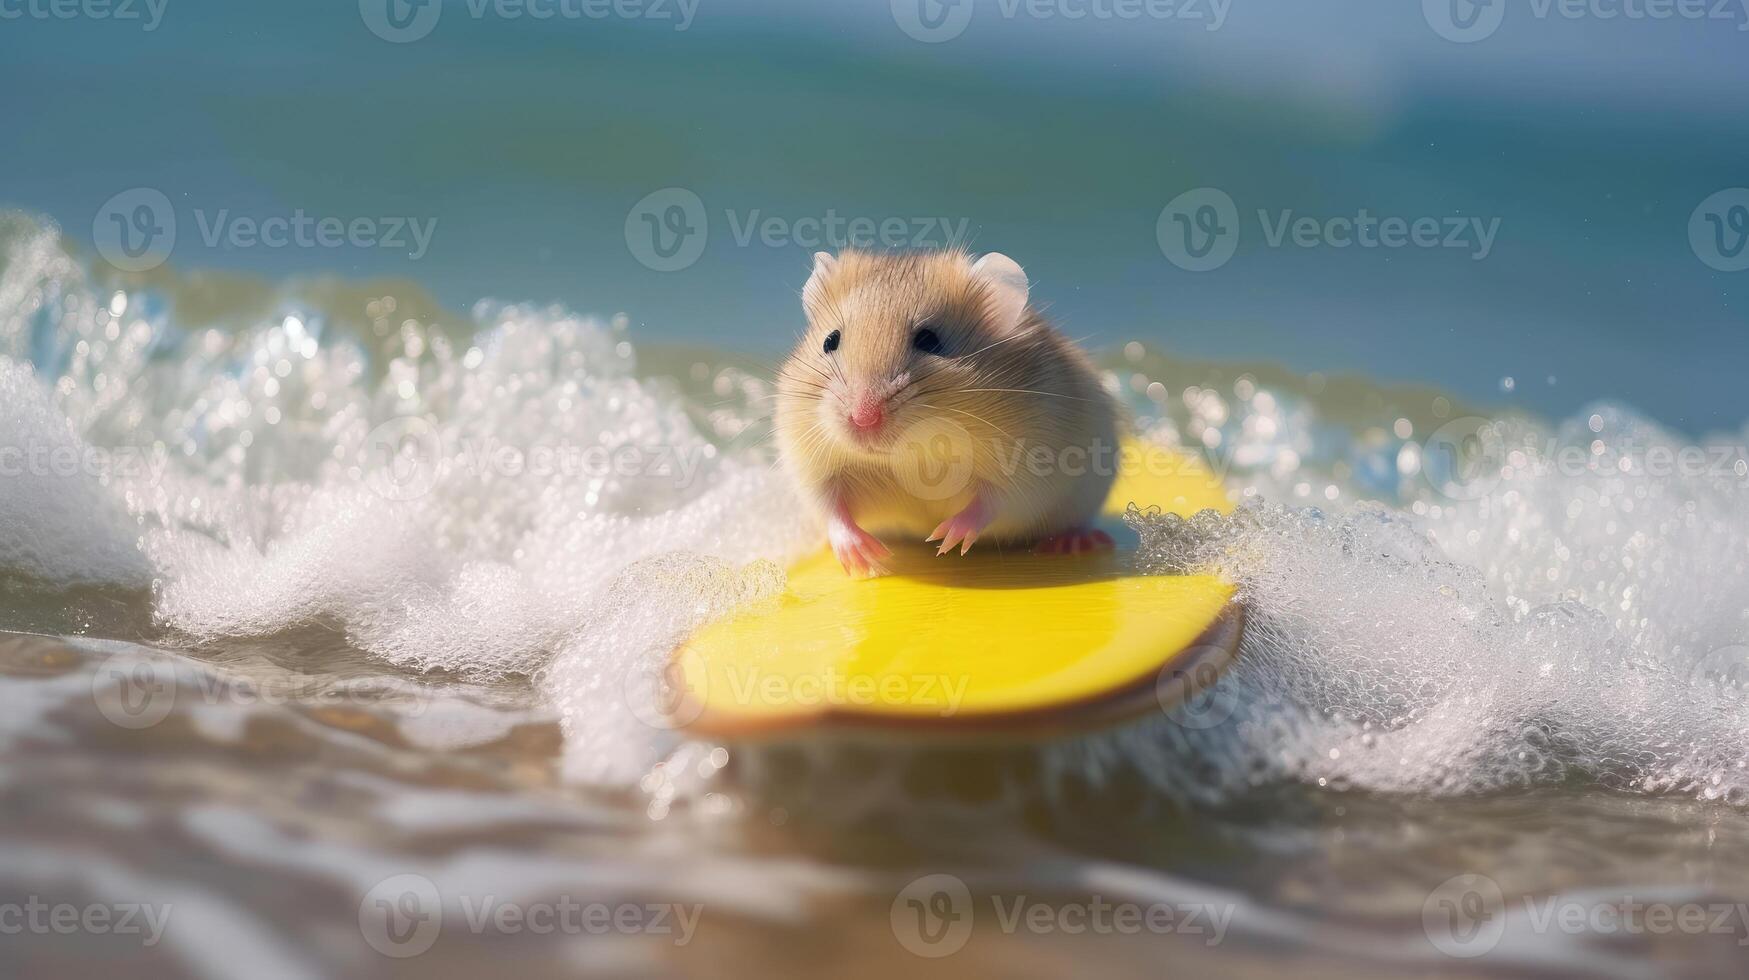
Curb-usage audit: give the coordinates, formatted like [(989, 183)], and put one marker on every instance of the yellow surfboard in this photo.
[(996, 642)]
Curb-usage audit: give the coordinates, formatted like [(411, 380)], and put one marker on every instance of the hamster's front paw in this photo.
[(962, 528), (857, 550)]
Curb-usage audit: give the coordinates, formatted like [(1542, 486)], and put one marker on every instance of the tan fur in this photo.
[(1054, 403)]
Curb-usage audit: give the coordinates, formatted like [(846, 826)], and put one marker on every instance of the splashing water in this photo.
[(511, 496), (524, 504), (1576, 622)]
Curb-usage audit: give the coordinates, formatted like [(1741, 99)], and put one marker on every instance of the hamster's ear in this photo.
[(815, 291), (1005, 282)]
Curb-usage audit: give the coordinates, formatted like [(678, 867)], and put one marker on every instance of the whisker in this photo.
[(924, 377), (1028, 391), (823, 376), (806, 443), (1004, 340), (980, 418)]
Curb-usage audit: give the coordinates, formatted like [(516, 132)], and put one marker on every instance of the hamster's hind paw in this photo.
[(961, 529), (858, 551), (1076, 542)]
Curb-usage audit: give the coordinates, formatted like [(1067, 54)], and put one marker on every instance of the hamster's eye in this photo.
[(927, 341), (831, 341)]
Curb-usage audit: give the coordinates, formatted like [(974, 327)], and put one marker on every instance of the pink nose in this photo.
[(868, 413)]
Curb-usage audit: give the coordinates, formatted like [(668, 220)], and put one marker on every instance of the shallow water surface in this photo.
[(266, 823)]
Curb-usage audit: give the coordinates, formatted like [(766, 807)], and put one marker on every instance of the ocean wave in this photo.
[(510, 495)]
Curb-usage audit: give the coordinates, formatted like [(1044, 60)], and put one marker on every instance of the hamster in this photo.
[(927, 398)]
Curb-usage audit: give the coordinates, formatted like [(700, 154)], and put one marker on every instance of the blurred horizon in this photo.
[(536, 151)]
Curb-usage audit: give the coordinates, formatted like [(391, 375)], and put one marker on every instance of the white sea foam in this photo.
[(446, 508), (520, 504), (1581, 621)]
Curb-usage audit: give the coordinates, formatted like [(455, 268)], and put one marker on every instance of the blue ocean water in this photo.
[(528, 147)]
